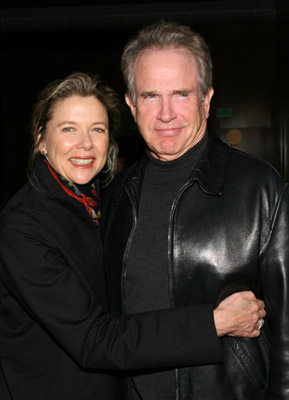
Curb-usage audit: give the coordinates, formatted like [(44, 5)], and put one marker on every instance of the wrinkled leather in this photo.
[(228, 232)]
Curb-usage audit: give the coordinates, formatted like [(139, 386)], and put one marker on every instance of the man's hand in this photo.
[(240, 314)]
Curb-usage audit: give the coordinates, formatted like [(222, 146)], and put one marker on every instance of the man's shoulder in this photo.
[(245, 162), (252, 174), (251, 164)]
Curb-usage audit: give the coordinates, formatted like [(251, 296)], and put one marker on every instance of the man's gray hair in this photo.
[(167, 35)]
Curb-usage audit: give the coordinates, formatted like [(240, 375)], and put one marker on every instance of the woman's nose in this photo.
[(85, 140)]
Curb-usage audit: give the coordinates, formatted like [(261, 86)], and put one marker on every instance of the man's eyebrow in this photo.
[(187, 91), (147, 93)]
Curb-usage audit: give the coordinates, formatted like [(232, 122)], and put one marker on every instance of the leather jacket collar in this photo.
[(209, 173)]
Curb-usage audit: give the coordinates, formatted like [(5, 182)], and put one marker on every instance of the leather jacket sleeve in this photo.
[(274, 269)]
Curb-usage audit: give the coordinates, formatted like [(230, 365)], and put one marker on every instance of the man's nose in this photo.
[(166, 111)]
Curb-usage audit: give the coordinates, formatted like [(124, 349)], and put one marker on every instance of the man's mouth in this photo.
[(170, 130)]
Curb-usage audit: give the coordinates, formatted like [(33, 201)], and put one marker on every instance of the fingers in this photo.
[(255, 332), (261, 309), (258, 310), (255, 313), (240, 315), (260, 324)]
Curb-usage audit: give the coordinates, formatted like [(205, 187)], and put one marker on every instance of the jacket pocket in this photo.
[(251, 358)]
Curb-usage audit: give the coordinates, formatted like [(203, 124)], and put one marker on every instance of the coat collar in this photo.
[(211, 169), (209, 172)]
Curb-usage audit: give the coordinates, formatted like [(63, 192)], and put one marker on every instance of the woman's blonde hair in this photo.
[(84, 85)]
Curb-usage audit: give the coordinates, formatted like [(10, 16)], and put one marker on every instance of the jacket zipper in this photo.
[(127, 248), (170, 268)]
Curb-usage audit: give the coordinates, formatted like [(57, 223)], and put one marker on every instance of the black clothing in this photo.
[(56, 339), (147, 286), (228, 231)]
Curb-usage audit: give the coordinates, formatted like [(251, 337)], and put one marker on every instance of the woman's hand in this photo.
[(240, 314)]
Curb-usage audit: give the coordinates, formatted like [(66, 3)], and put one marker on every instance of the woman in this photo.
[(56, 339)]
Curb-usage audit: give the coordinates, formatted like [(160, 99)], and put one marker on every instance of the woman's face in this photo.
[(77, 138)]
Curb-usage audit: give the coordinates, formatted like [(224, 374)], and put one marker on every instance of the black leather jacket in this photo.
[(228, 231)]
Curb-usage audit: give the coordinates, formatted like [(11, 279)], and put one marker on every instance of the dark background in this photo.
[(249, 41)]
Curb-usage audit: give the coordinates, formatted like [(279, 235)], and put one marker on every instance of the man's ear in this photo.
[(207, 101), (131, 106)]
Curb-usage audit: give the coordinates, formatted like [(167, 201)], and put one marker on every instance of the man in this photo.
[(194, 221)]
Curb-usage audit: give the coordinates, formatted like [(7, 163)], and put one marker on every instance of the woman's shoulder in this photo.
[(29, 209)]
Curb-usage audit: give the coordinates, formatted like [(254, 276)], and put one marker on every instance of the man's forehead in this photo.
[(172, 70)]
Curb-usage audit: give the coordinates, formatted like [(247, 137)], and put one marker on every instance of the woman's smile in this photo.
[(77, 138)]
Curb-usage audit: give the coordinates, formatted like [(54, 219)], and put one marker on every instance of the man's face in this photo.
[(169, 111)]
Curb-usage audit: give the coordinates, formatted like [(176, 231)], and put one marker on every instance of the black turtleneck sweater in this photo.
[(147, 286)]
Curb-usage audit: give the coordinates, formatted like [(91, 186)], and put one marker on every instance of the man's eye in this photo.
[(150, 96), (183, 94)]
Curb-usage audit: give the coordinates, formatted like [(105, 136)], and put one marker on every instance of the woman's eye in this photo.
[(67, 129), (96, 129)]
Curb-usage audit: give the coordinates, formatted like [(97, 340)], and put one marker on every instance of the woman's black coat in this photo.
[(56, 339)]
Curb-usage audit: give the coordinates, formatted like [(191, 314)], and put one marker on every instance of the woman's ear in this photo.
[(41, 145)]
